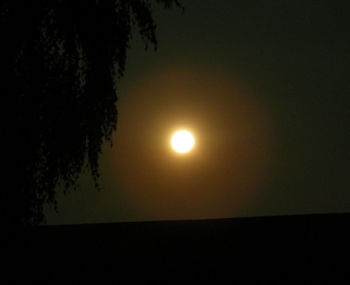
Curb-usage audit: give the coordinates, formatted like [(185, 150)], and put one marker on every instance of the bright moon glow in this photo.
[(182, 141)]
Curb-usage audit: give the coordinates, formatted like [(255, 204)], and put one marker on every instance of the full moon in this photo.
[(182, 141)]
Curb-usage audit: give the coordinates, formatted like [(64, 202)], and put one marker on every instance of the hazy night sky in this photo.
[(263, 85)]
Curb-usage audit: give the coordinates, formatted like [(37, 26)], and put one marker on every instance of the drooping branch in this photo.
[(62, 60)]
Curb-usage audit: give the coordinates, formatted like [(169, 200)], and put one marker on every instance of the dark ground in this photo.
[(300, 249)]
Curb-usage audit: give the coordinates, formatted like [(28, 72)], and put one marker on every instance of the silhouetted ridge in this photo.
[(279, 247)]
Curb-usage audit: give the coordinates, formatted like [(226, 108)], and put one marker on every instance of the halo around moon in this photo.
[(232, 158)]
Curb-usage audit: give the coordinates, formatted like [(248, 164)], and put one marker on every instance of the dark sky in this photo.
[(263, 85)]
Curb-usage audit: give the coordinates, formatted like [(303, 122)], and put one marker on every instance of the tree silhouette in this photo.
[(60, 63)]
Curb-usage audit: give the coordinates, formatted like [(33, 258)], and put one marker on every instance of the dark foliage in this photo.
[(60, 63)]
